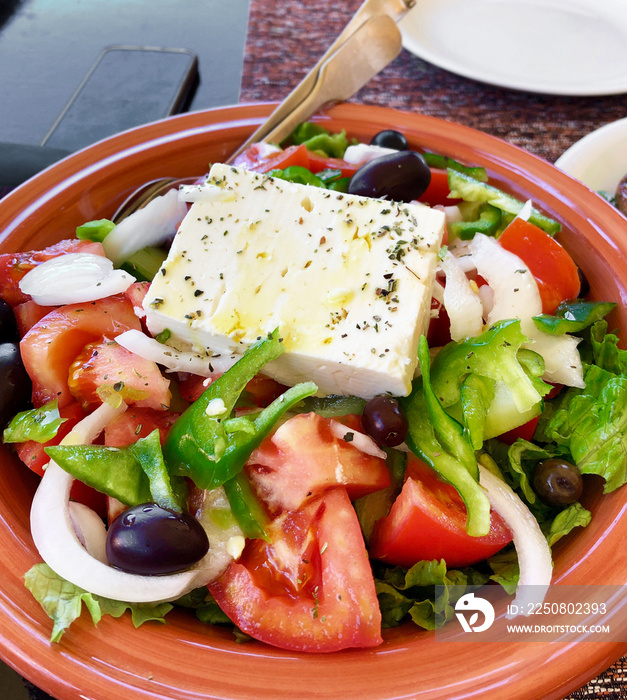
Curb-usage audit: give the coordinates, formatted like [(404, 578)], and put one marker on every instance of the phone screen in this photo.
[(127, 86)]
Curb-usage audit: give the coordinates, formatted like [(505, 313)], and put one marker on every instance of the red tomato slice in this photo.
[(13, 266), (438, 190), (439, 331), (524, 431), (318, 163), (262, 390), (50, 346), (552, 267), (303, 457), (427, 521), (294, 155), (28, 313), (136, 423), (135, 294), (106, 366), (310, 588)]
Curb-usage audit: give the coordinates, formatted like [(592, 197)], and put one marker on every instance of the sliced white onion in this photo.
[(516, 295), (152, 225), (534, 555), (90, 530), (461, 301), (526, 211), (205, 193), (452, 212), (437, 291), (74, 278), (364, 443), (361, 153), (57, 542), (175, 360)]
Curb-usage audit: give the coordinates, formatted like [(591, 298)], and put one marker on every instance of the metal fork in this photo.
[(368, 43)]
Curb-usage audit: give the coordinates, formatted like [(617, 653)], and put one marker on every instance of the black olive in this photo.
[(401, 177), (8, 325), (390, 139), (15, 384), (584, 285), (384, 421), (557, 482), (150, 540)]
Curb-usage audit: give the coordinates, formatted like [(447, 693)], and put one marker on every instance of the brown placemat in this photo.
[(286, 38)]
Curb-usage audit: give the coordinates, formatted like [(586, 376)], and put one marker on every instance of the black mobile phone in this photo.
[(126, 86)]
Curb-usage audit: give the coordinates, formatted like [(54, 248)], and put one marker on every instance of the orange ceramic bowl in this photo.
[(187, 660)]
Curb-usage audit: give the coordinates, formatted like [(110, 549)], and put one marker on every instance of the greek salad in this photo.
[(295, 397)]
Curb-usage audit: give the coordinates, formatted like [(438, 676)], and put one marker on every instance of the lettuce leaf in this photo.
[(565, 521), (592, 422), (411, 592), (63, 602)]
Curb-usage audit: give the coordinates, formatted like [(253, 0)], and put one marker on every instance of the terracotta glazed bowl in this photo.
[(187, 660)]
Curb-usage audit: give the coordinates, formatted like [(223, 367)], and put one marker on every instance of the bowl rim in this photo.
[(59, 670)]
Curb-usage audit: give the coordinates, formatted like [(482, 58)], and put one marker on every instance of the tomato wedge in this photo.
[(136, 423), (52, 344), (28, 313), (438, 190), (104, 367), (427, 521), (304, 457), (310, 588), (552, 267), (294, 155)]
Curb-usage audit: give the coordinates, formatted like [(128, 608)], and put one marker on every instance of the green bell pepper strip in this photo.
[(491, 354), (476, 394), (38, 424), (435, 160), (133, 474), (246, 508), (332, 405), (95, 231), (147, 451), (447, 430), (465, 187), (573, 316), (423, 442), (199, 446), (487, 223)]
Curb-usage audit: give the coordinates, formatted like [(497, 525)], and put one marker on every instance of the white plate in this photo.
[(561, 47), (599, 160)]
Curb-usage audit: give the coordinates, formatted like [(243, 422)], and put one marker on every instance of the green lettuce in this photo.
[(591, 423), (411, 592), (63, 602)]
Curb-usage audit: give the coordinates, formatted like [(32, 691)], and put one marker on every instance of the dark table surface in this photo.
[(284, 38)]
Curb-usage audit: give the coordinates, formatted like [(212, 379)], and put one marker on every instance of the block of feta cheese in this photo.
[(346, 280)]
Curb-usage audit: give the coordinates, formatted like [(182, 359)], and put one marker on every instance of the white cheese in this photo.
[(346, 280)]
